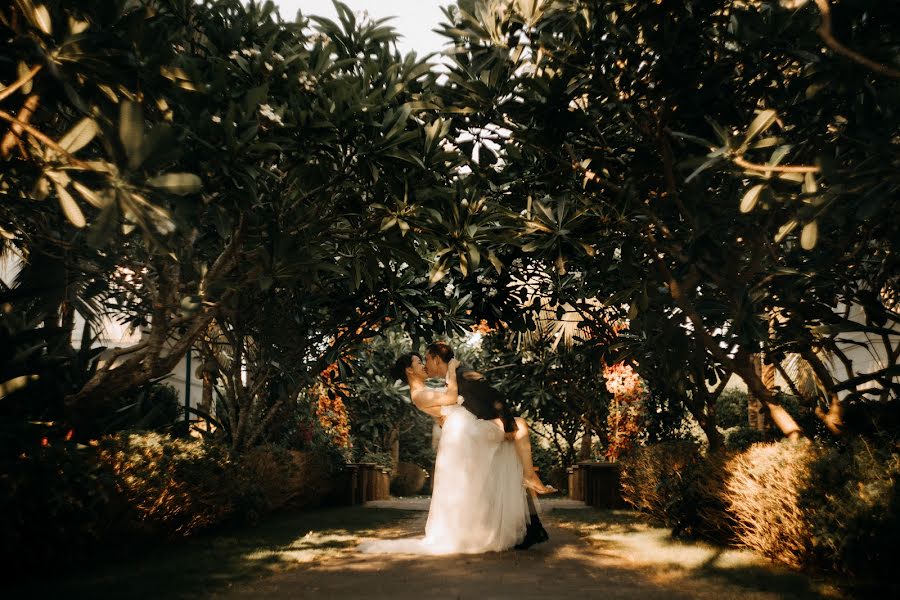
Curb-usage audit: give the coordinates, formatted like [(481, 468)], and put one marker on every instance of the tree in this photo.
[(602, 107), (231, 168)]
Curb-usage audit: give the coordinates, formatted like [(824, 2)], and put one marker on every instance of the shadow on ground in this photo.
[(693, 564), (592, 554), (201, 566)]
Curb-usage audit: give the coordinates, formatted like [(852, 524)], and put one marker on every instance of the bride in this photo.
[(478, 503)]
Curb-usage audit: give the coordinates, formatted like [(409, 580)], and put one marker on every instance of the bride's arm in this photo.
[(426, 399)]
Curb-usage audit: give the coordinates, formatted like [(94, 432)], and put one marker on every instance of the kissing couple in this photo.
[(484, 492)]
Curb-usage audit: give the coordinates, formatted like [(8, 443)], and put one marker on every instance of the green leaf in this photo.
[(723, 136), (104, 226), (131, 131), (779, 153), (89, 195), (784, 230), (438, 271), (42, 18), (762, 122), (474, 254), (79, 136), (177, 183), (255, 97), (690, 138), (707, 164), (809, 235), (766, 142), (751, 197), (16, 383), (498, 264), (809, 184), (70, 207), (22, 71)]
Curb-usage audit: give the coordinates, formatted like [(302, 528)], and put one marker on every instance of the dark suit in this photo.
[(486, 402), (482, 399)]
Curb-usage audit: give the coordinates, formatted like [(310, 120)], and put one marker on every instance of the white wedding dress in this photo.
[(477, 502)]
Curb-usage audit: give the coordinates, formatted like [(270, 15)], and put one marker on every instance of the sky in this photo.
[(414, 20)]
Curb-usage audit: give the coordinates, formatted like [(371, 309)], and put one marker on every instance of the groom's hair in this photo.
[(440, 349), (398, 371)]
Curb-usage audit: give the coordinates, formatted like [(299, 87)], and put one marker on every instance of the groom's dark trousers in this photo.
[(486, 402)]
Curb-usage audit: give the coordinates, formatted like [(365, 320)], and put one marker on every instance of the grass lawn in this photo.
[(205, 564)]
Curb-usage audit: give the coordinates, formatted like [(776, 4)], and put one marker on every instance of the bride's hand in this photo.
[(453, 364)]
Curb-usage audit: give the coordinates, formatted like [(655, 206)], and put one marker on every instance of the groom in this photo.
[(486, 402)]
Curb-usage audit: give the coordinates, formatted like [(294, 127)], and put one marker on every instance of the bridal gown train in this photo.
[(477, 503)]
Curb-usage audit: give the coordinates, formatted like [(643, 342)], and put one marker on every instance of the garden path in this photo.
[(591, 554)]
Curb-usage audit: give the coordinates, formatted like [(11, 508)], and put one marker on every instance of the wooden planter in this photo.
[(347, 492), (570, 472), (384, 484), (368, 484), (576, 482), (597, 484)]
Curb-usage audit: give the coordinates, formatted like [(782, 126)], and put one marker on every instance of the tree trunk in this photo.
[(392, 441), (703, 410), (741, 364), (145, 364), (713, 436), (780, 417), (756, 417), (584, 451)]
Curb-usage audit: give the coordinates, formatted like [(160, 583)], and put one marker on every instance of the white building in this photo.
[(114, 334)]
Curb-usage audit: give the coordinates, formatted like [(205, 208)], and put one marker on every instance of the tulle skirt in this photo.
[(477, 503)]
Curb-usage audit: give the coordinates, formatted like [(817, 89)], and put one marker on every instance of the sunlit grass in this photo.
[(207, 564)]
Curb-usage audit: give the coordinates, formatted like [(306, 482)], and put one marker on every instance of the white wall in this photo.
[(114, 334)]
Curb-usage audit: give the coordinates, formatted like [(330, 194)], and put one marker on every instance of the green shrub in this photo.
[(57, 505), (153, 407), (408, 480), (764, 493), (557, 476), (267, 481), (731, 409), (738, 439), (382, 459), (314, 477), (175, 486), (542, 457), (415, 442), (652, 474), (680, 488), (856, 524)]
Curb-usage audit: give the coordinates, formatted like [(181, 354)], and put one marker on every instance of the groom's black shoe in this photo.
[(534, 534)]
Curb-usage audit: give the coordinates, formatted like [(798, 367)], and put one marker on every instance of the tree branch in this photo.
[(775, 168), (20, 82), (829, 39), (45, 139)]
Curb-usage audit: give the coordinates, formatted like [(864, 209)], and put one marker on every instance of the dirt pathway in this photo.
[(590, 555)]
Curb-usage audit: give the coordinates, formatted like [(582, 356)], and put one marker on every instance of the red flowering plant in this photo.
[(627, 391), (330, 409)]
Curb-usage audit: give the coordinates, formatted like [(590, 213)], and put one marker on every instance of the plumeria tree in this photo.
[(222, 179), (718, 170)]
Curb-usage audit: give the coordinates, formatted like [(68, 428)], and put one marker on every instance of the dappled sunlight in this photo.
[(308, 548), (623, 540), (610, 553)]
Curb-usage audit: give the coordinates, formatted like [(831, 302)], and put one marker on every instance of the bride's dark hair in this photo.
[(398, 371)]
